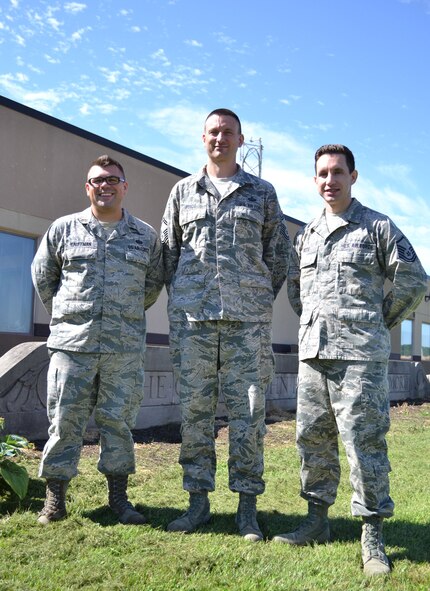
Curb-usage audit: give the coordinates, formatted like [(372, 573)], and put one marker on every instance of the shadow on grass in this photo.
[(33, 501), (413, 538)]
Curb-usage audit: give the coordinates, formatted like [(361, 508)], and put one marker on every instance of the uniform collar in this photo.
[(240, 178), (352, 214), (87, 218)]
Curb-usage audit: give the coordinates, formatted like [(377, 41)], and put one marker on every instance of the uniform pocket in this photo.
[(80, 251), (79, 310), (308, 259), (140, 257), (193, 214), (359, 315), (358, 256), (308, 270), (248, 224)]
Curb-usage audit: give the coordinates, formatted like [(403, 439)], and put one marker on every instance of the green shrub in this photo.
[(15, 476)]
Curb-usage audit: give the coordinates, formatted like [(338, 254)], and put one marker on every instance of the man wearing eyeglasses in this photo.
[(96, 273)]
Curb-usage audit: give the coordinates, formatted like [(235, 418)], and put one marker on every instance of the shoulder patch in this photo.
[(405, 250), (284, 232)]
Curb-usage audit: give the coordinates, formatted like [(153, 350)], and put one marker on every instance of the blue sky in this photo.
[(144, 73)]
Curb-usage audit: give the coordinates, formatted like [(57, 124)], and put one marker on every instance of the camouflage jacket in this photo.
[(224, 258), (336, 285), (97, 290)]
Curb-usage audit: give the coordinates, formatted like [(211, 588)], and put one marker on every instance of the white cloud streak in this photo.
[(74, 7)]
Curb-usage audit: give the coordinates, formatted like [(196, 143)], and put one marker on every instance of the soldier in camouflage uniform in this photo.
[(226, 248), (96, 272), (336, 279)]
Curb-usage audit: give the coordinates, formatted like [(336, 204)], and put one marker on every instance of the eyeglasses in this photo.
[(110, 180)]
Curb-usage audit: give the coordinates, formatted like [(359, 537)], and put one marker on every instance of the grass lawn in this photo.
[(90, 550)]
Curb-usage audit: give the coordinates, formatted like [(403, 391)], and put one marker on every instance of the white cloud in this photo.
[(54, 23), (295, 190), (106, 108), (77, 35), (409, 213), (20, 40), (394, 203), (74, 7), (161, 56), (129, 68), (51, 60), (324, 127), (193, 43), (34, 69), (45, 101), (11, 87), (225, 39), (110, 75), (182, 126), (85, 109), (400, 173)]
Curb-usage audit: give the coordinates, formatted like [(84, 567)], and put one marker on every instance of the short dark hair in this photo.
[(336, 149), (105, 161), (226, 112)]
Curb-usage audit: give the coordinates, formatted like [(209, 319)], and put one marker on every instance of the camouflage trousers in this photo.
[(236, 359), (349, 398), (78, 383)]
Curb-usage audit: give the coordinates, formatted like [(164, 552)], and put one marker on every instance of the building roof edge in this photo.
[(69, 128)]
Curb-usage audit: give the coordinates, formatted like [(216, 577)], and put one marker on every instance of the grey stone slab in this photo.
[(23, 372)]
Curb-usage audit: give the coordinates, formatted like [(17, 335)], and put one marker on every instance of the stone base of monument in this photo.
[(23, 372)]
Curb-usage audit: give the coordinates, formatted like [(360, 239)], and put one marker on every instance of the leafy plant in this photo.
[(15, 476)]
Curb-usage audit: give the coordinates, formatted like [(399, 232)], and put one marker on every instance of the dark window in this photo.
[(406, 339), (16, 288), (425, 341)]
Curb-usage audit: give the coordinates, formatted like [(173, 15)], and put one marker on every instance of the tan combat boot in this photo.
[(375, 561), (197, 514), (246, 518), (55, 501), (314, 529), (119, 503)]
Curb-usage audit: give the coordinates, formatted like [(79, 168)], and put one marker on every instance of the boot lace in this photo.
[(372, 541), (53, 501)]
